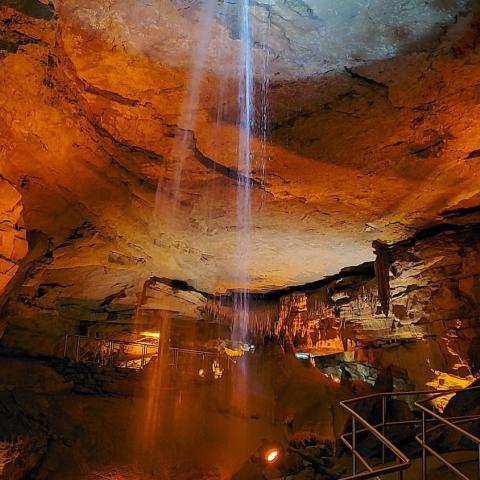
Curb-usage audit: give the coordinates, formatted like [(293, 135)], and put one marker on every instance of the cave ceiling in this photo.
[(112, 144)]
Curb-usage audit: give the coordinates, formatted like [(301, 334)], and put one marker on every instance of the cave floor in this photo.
[(95, 436), (191, 430)]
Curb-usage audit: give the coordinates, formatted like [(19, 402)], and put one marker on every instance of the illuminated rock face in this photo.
[(435, 302), (13, 243), (304, 37), (97, 126)]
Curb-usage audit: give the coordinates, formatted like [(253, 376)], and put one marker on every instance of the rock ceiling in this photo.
[(111, 144)]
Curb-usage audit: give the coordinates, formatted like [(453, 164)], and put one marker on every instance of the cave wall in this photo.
[(83, 281), (434, 320), (90, 146), (90, 285), (95, 127), (13, 240)]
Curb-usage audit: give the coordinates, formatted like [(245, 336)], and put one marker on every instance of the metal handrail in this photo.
[(401, 458), (121, 342), (402, 461), (444, 422), (144, 345), (193, 352), (203, 353)]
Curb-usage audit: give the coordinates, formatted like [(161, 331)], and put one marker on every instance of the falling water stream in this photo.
[(244, 213), (173, 416), (187, 120), (252, 108)]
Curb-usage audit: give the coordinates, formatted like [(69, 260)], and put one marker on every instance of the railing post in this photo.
[(77, 348), (384, 414), (354, 446), (479, 461), (65, 344), (424, 450), (110, 353)]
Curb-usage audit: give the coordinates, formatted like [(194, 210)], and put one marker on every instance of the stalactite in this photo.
[(382, 271)]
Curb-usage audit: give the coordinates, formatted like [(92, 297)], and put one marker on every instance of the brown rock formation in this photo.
[(434, 301), (13, 243), (111, 143)]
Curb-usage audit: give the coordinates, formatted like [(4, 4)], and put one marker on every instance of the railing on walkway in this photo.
[(131, 354), (176, 352), (449, 423), (400, 462), (108, 352)]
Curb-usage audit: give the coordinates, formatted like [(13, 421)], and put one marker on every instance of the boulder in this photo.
[(23, 442), (463, 403), (290, 464)]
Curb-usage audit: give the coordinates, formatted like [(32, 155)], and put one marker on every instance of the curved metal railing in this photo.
[(400, 461), (144, 352), (452, 423)]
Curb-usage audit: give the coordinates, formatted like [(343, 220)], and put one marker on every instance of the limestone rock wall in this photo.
[(13, 242), (435, 307), (84, 280), (90, 284), (95, 129), (96, 133)]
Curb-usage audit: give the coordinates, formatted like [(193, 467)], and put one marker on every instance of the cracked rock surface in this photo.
[(111, 147)]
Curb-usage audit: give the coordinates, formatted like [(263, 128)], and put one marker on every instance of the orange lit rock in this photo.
[(433, 320), (108, 121), (96, 129), (13, 243)]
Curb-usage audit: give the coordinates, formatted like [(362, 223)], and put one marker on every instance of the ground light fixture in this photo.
[(272, 455), (269, 453)]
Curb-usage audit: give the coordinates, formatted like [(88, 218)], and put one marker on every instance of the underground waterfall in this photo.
[(239, 240), (169, 408)]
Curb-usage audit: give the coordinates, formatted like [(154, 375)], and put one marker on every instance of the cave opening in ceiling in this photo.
[(221, 219)]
